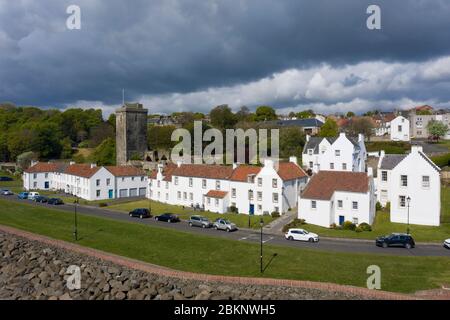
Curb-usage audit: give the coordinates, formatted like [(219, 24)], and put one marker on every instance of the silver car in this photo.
[(223, 224), (199, 221)]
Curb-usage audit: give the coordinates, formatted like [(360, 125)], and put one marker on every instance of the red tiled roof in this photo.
[(125, 171), (167, 172), (216, 194), (81, 170), (242, 172), (323, 184), (203, 171), (45, 167), (290, 171)]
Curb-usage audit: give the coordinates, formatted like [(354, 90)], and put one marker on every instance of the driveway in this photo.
[(336, 245)]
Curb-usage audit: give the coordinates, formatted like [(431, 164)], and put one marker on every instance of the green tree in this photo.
[(329, 128), (222, 117), (105, 153), (362, 125), (305, 114), (292, 140), (66, 152), (350, 114), (437, 129), (265, 113), (159, 137)]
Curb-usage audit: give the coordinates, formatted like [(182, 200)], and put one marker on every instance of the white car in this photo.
[(32, 195), (301, 235), (447, 244)]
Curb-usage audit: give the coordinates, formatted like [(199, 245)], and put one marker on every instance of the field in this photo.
[(204, 254)]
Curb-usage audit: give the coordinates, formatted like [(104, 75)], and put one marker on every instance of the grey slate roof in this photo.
[(390, 161), (314, 142), (310, 122)]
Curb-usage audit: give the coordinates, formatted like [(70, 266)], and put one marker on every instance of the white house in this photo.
[(87, 181), (340, 153), (414, 177), (399, 129), (250, 189), (333, 197)]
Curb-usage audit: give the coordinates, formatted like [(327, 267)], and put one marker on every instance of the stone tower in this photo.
[(131, 132)]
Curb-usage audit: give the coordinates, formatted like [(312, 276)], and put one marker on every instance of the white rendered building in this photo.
[(335, 154), (399, 129), (412, 176), (333, 197), (251, 189)]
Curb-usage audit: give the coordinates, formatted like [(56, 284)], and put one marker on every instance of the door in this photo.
[(252, 209), (110, 194), (46, 185), (341, 220)]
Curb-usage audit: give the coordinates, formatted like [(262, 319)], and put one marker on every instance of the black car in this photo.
[(141, 213), (6, 179), (167, 217), (41, 199), (396, 240), (55, 201)]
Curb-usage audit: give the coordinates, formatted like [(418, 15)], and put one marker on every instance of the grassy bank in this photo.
[(184, 251)]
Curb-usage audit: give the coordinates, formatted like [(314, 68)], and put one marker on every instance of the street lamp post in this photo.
[(75, 230), (408, 200), (261, 223)]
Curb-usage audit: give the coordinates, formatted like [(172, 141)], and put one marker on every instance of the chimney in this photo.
[(93, 165), (33, 163), (307, 137), (293, 159), (268, 163), (416, 149), (71, 163), (179, 163), (370, 171), (235, 165), (342, 134), (382, 153), (360, 137), (160, 168)]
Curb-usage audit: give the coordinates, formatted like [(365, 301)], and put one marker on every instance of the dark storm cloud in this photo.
[(163, 47)]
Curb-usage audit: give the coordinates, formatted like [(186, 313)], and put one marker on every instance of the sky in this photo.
[(192, 55)]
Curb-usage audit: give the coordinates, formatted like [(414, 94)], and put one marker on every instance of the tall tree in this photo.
[(437, 129), (362, 125), (222, 117), (265, 113), (329, 128)]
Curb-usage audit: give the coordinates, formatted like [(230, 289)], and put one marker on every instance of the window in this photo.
[(259, 182), (159, 194), (184, 195), (355, 220), (176, 181), (340, 204), (46, 175), (259, 195), (123, 179), (217, 185), (274, 183), (331, 166), (179, 195), (233, 193), (97, 182), (402, 201), (191, 196), (355, 205), (344, 166), (132, 178), (276, 209), (337, 153), (204, 183), (167, 185), (250, 194), (158, 183), (275, 197), (191, 181), (399, 128), (35, 185), (403, 180), (108, 182), (419, 133), (98, 193), (167, 196), (384, 176), (233, 204), (311, 164), (313, 204), (384, 195), (142, 179), (425, 181), (34, 175), (259, 207), (208, 200), (310, 152), (216, 202)]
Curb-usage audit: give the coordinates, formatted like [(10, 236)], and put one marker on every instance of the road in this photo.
[(336, 245)]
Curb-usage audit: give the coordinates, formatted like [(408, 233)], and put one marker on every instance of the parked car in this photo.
[(6, 192), (447, 244), (301, 235), (396, 240), (23, 195), (32, 195), (6, 179), (140, 213), (223, 224), (41, 199), (167, 217), (199, 221), (55, 201)]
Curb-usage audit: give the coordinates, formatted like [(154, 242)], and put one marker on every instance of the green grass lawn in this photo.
[(205, 254), (383, 226), (241, 220)]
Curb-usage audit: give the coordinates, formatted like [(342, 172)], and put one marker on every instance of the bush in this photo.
[(83, 144), (378, 206), (275, 214), (348, 226), (365, 227), (102, 204), (333, 226), (388, 206), (441, 161), (358, 229), (233, 209), (294, 224)]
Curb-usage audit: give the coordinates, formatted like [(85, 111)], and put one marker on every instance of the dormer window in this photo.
[(310, 152)]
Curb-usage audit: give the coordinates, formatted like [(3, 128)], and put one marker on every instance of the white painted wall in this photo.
[(400, 129)]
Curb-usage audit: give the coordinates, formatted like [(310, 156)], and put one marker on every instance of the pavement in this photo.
[(254, 236)]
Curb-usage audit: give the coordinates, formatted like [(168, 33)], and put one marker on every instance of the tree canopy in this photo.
[(329, 128)]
